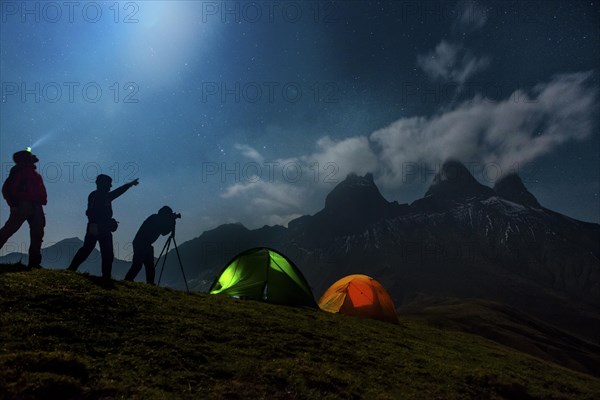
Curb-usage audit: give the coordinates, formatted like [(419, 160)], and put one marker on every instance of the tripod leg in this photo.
[(161, 253), (167, 246), (181, 265)]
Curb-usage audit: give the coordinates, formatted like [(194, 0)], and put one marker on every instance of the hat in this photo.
[(103, 179), (24, 156), (165, 210)]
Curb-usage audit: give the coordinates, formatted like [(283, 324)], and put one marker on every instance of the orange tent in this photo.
[(359, 295)]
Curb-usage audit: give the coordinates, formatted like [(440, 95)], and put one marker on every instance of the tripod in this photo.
[(166, 247)]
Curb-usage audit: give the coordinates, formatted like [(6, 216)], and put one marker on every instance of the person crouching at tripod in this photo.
[(155, 225)]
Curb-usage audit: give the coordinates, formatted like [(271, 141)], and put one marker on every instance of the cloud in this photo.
[(249, 152), (508, 133), (471, 16), (273, 195), (264, 202), (451, 63), (339, 158), (301, 182), (514, 131)]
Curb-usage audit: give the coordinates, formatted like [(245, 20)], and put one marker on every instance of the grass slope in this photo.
[(66, 335), (510, 327)]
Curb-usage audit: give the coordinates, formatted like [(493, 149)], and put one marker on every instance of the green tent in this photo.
[(264, 274)]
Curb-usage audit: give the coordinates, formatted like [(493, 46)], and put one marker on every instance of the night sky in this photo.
[(251, 112)]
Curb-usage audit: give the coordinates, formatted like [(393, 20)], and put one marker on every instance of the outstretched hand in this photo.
[(134, 182)]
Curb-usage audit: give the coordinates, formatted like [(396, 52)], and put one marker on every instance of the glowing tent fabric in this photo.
[(264, 274), (359, 295)]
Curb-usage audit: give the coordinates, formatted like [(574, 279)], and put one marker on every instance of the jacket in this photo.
[(99, 209), (154, 226), (24, 183)]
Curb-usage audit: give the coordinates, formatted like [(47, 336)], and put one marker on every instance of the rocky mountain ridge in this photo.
[(461, 240)]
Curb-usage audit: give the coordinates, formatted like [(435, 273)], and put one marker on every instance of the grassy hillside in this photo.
[(510, 327), (67, 335)]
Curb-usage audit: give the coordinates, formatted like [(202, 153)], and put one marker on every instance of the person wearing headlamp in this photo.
[(26, 195)]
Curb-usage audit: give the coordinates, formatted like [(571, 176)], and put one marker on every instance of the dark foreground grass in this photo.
[(68, 336)]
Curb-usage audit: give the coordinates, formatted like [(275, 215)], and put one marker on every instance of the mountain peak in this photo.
[(454, 171), (353, 179), (511, 188), (71, 241), (355, 192), (350, 208), (454, 180)]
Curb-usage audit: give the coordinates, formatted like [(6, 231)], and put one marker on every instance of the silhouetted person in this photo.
[(101, 224), (25, 194), (155, 225)]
